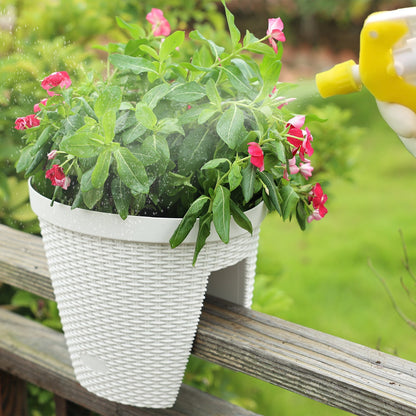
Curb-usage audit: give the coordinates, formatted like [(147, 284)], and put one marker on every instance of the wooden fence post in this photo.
[(13, 395)]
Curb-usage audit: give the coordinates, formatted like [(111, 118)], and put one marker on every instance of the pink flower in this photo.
[(314, 216), (306, 169), (257, 156), (52, 154), (36, 107), (318, 199), (275, 31), (300, 139), (293, 168), (23, 123), (57, 177), (284, 100), (160, 26), (57, 79)]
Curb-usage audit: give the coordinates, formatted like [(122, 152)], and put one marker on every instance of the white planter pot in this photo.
[(128, 303)]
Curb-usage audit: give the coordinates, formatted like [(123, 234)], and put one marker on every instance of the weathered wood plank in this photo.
[(325, 368), (320, 366), (23, 263), (13, 395), (38, 354)]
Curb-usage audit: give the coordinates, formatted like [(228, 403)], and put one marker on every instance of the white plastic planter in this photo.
[(128, 303)]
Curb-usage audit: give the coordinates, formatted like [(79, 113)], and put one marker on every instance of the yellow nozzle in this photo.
[(338, 80)]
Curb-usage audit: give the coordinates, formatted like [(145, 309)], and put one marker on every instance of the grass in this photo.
[(321, 278)]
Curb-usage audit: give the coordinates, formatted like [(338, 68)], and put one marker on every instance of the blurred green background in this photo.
[(320, 278)]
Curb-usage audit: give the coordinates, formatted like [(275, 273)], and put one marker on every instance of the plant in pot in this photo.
[(150, 179)]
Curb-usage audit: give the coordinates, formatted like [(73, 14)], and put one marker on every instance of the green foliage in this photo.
[(162, 114)]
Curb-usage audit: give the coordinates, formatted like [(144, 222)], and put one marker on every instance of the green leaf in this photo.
[(206, 114), (109, 100), (149, 50), (247, 182), (133, 133), (268, 181), (43, 138), (204, 231), (86, 182), (137, 65), (230, 127), (237, 79), (235, 177), (84, 144), (152, 97), (92, 197), (38, 159), (135, 31), (212, 93), (234, 32), (221, 213), (121, 197), (301, 214), (134, 47), (197, 148), (215, 49), (253, 44), (202, 59), (108, 123), (240, 218), (188, 220), (186, 93), (170, 125), (290, 200), (131, 171), (170, 43), (25, 159), (156, 149), (88, 109), (214, 163), (101, 169), (146, 116), (270, 71)]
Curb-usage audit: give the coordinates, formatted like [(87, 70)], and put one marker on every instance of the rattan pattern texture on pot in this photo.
[(130, 310)]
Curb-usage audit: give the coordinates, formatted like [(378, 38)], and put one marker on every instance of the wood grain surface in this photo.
[(323, 367)]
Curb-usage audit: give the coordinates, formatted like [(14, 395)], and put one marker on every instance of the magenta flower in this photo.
[(300, 139), (257, 156), (275, 31), (160, 26), (318, 199), (57, 177), (57, 79), (36, 107), (23, 123)]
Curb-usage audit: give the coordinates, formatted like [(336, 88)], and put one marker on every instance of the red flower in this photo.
[(57, 79), (23, 123), (57, 177), (36, 107), (160, 26), (275, 30), (318, 199), (300, 139), (257, 156)]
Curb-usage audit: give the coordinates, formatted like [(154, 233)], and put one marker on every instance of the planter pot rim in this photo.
[(108, 225)]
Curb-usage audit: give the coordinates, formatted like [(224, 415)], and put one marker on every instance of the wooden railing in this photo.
[(325, 368)]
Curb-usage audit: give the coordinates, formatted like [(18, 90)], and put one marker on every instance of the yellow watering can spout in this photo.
[(343, 78)]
